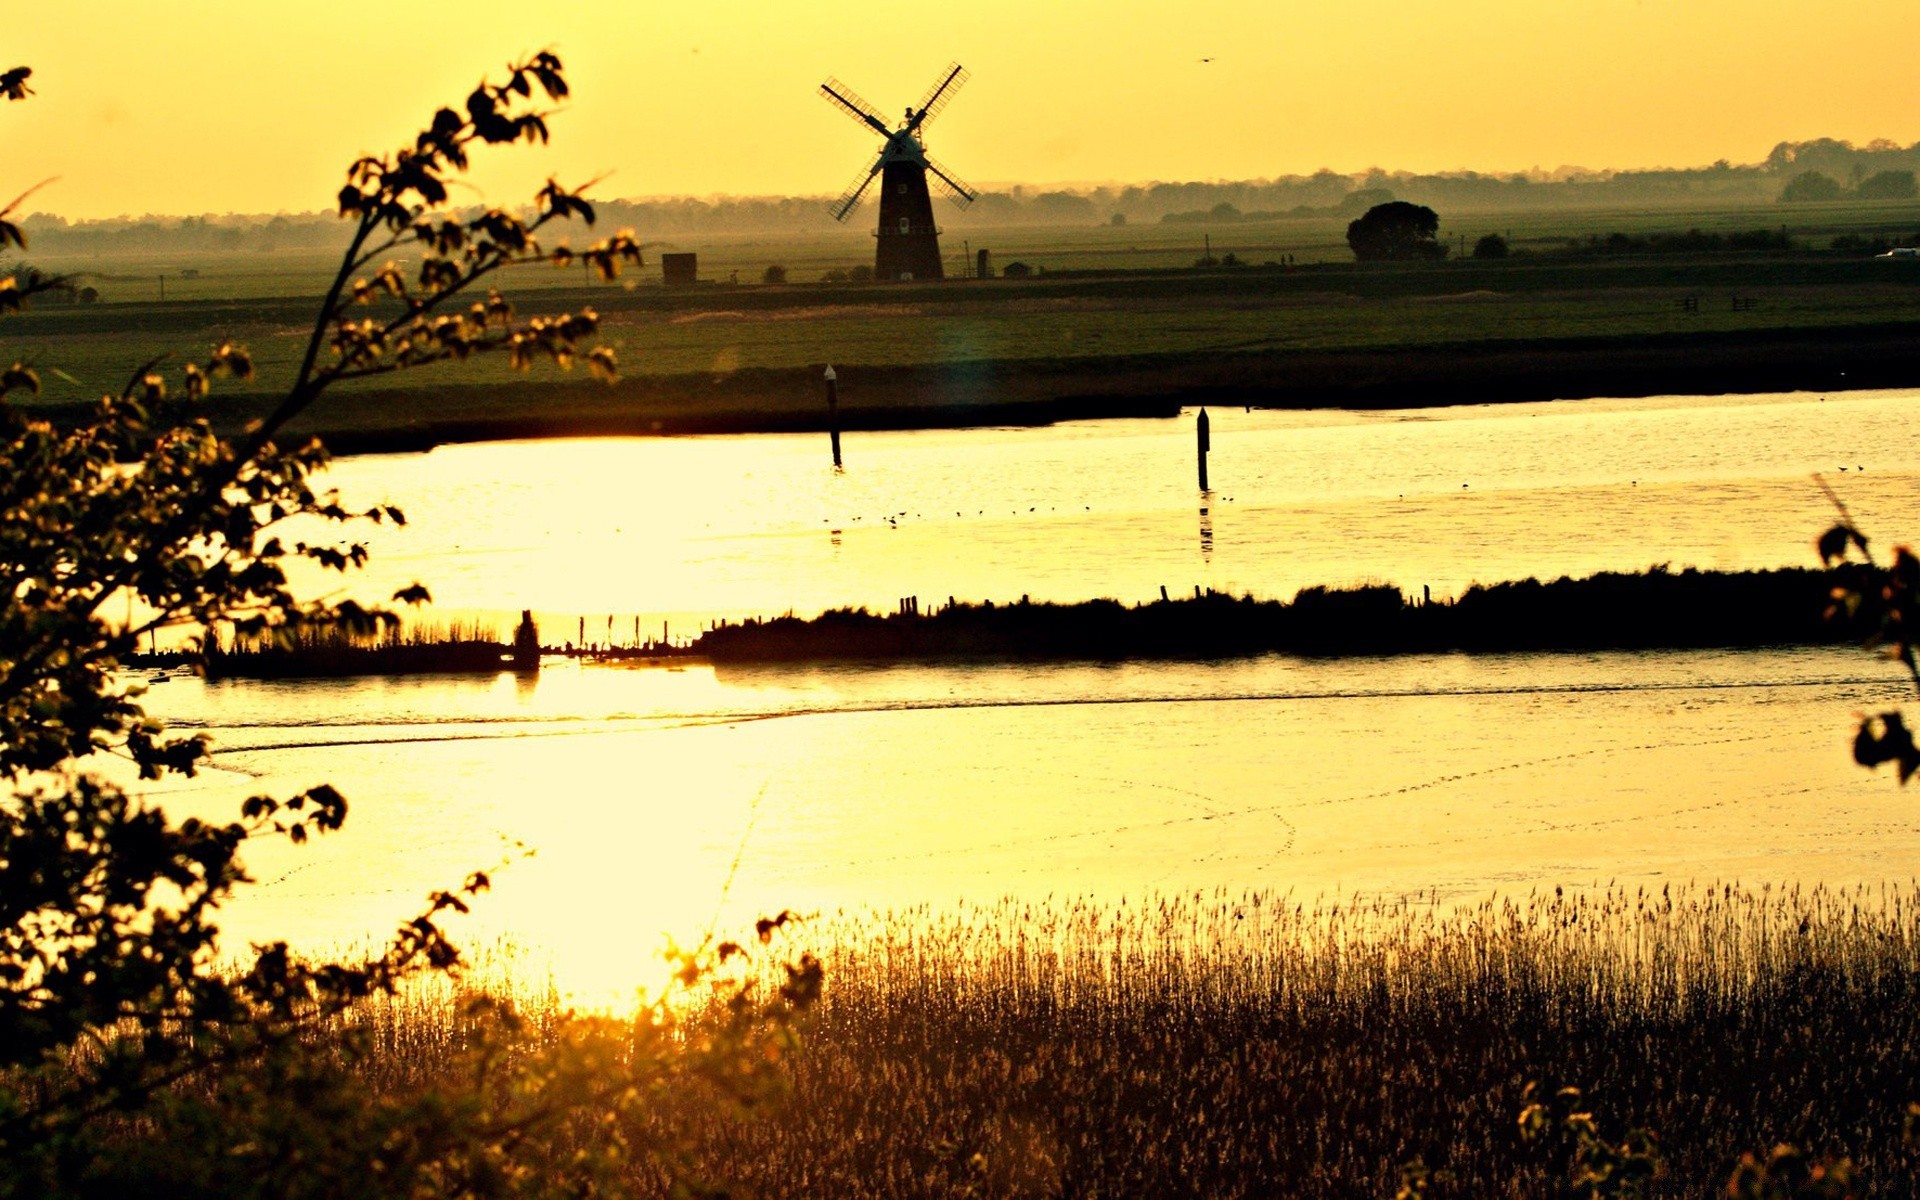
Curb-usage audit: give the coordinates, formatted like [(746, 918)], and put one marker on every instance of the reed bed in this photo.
[(426, 647), (1253, 1046), (1652, 609), (1221, 1045)]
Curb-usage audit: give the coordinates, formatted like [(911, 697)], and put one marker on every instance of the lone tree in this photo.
[(1491, 246), (132, 1062), (1888, 185), (1396, 232), (1810, 187)]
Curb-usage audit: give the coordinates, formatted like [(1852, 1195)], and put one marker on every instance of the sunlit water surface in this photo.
[(631, 804), (633, 530)]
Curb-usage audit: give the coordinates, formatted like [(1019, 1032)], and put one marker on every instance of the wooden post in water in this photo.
[(526, 644), (1200, 427), (833, 415)]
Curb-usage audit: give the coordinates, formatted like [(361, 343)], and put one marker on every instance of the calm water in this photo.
[(650, 801), (686, 529)]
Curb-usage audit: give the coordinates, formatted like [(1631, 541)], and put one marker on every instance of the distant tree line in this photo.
[(1878, 170), (202, 234), (1693, 241), (1814, 186)]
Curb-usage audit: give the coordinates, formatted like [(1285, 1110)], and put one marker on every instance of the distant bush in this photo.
[(1854, 241), (1809, 187), (1117, 220), (1490, 246), (1015, 270), (774, 274), (1396, 231), (860, 274), (1062, 208), (836, 275), (1693, 241), (1888, 185), (1228, 214)]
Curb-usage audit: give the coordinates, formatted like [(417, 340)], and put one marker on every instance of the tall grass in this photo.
[(1220, 1045), (412, 648), (1252, 1046), (409, 633)]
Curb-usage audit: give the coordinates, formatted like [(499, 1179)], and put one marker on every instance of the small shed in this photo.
[(680, 270)]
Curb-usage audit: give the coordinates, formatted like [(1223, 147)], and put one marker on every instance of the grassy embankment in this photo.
[(420, 649), (1092, 337), (1247, 1045), (1656, 609)]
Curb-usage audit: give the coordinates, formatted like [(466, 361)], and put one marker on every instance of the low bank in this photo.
[(1041, 391), (1655, 610)]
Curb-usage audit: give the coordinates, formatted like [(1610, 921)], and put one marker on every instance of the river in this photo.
[(634, 804)]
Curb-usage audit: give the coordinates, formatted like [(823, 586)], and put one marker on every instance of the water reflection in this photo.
[(637, 791), (1075, 511)]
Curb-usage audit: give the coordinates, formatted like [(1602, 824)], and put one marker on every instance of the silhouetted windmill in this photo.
[(907, 244)]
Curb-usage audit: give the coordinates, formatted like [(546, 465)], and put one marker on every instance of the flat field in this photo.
[(1112, 309)]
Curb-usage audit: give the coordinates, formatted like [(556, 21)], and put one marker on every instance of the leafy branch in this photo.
[(1883, 603), (119, 1029)]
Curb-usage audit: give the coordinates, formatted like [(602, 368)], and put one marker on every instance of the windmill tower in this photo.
[(907, 243)]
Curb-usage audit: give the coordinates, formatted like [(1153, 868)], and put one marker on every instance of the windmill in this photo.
[(907, 243)]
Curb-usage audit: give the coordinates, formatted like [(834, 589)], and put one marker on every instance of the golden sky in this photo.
[(257, 105)]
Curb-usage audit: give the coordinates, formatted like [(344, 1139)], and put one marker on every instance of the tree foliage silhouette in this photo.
[(1810, 187), (130, 1062), (1395, 231), (1883, 602)]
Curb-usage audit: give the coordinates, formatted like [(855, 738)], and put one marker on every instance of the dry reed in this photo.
[(1252, 1046), (1219, 1045)]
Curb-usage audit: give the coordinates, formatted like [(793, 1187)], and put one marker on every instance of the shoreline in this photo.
[(1654, 610), (1035, 392)]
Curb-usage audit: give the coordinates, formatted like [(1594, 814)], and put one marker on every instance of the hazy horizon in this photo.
[(234, 108), (33, 208)]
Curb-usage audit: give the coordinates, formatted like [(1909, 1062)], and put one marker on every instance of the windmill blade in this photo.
[(956, 191), (939, 96), (848, 101), (850, 199)]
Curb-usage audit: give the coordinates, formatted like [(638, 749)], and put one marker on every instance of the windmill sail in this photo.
[(955, 190), (848, 101), (939, 96), (849, 199)]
